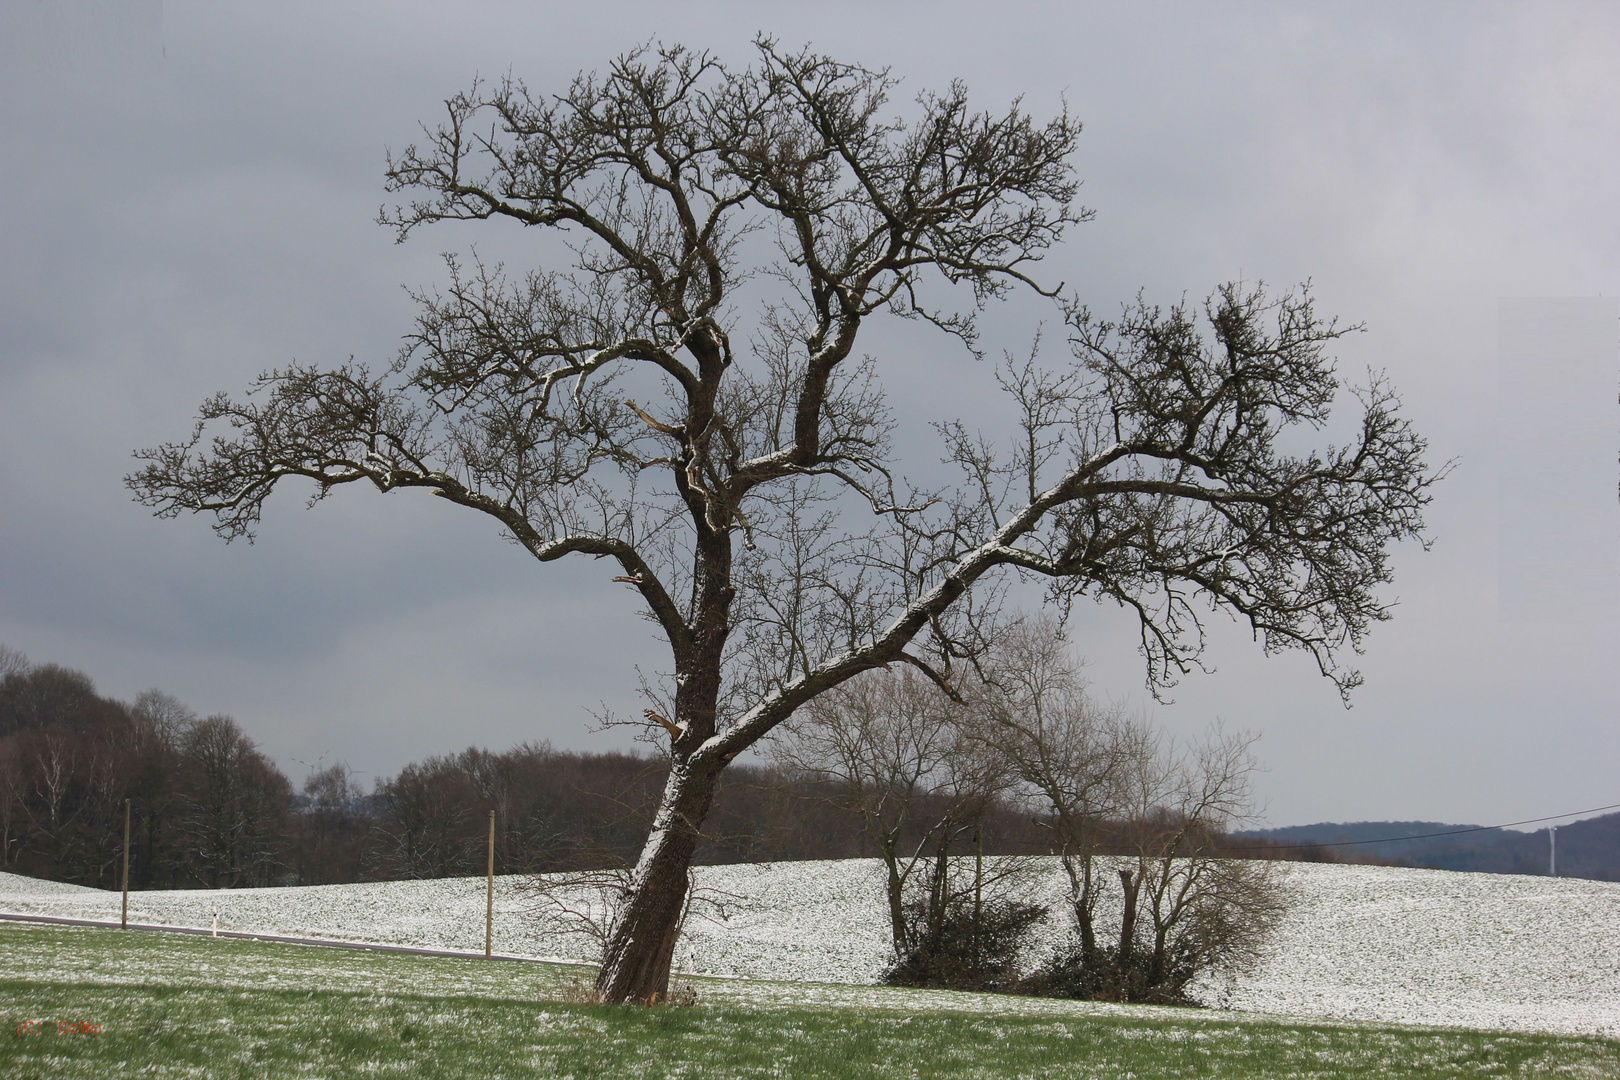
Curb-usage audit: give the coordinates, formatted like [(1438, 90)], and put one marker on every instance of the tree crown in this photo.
[(643, 404)]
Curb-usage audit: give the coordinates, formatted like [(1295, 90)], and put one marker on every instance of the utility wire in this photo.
[(1429, 836)]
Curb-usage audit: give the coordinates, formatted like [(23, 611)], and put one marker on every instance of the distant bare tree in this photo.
[(13, 792), (159, 725), (333, 788), (236, 803), (427, 822), (169, 718), (42, 696), (896, 749), (67, 790), (688, 400), (13, 665), (12, 662), (1187, 909), (1108, 785), (1065, 751), (331, 827), (53, 772)]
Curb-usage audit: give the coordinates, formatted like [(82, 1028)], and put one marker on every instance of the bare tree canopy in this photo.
[(1100, 781), (12, 662), (685, 399)]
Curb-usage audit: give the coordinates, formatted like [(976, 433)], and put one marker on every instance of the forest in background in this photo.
[(209, 810)]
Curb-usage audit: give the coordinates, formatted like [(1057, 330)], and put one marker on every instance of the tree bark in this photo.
[(897, 902), (636, 964), (1080, 892), (1127, 922)]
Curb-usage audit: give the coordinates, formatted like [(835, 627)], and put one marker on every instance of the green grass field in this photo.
[(164, 1005)]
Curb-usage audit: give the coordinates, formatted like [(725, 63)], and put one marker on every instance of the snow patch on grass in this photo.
[(1377, 944)]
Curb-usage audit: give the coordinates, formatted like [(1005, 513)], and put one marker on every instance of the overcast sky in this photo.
[(189, 198)]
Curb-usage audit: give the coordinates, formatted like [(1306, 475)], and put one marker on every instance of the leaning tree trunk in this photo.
[(641, 946)]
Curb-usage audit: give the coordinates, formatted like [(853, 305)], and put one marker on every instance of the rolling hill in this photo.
[(1586, 849)]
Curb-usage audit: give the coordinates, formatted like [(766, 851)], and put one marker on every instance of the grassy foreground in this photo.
[(106, 1004)]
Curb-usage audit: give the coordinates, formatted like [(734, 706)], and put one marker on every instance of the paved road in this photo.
[(329, 942)]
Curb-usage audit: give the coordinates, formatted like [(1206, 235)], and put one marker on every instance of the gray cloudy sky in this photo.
[(189, 195)]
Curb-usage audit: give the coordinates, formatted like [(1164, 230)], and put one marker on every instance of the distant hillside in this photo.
[(1586, 849)]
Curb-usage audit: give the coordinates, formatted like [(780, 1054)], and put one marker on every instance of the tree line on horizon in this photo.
[(210, 810), (1587, 848)]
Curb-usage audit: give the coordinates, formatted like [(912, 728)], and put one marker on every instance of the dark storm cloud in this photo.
[(190, 199)]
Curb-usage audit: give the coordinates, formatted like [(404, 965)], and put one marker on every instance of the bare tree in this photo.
[(332, 790), (12, 662), (13, 809), (1188, 910), (69, 789), (160, 725), (1108, 785), (39, 696), (896, 749), (687, 400), (1063, 749), (13, 666), (427, 822), (330, 827), (167, 717), (235, 803), (53, 769)]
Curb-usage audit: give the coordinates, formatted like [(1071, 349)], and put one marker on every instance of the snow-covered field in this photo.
[(1361, 942)]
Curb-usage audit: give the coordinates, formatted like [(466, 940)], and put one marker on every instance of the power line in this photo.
[(1430, 836)]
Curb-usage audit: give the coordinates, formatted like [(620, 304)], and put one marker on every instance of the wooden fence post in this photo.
[(489, 899), (978, 895), (123, 919)]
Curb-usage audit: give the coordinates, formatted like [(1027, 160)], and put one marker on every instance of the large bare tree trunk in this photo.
[(641, 946)]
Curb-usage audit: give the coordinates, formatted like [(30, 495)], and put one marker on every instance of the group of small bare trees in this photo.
[(1134, 819), (902, 761)]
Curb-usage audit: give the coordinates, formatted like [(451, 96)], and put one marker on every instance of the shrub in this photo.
[(965, 948), (1108, 974)]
